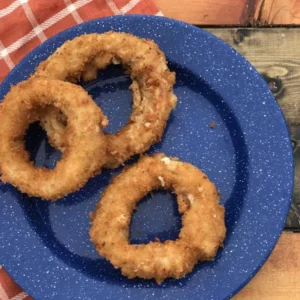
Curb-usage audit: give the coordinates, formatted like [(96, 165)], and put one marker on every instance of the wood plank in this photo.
[(207, 12), (232, 12), (275, 53), (279, 277)]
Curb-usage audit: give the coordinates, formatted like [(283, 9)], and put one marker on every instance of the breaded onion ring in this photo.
[(152, 87), (203, 229), (85, 142)]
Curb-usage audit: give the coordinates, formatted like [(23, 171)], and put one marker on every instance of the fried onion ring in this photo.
[(203, 229), (152, 86), (85, 141)]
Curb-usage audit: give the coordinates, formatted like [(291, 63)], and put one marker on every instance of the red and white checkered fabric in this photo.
[(24, 24)]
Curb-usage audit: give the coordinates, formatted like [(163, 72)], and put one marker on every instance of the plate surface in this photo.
[(45, 246)]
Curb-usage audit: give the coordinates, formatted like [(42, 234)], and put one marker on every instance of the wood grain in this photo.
[(275, 53), (279, 278), (279, 12)]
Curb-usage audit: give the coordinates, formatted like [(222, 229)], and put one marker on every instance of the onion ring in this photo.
[(85, 141), (203, 229), (152, 86)]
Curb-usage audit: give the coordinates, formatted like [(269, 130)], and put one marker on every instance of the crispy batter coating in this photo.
[(203, 229), (152, 86), (85, 141)]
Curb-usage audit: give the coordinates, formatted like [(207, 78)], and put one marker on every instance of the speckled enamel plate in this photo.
[(45, 246)]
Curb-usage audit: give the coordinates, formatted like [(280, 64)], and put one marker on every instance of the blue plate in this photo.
[(45, 246)]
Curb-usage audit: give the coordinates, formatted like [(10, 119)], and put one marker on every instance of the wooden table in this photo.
[(275, 52)]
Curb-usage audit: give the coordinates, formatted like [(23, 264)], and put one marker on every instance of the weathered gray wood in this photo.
[(275, 53)]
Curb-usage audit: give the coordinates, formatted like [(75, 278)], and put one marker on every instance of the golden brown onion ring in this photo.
[(152, 86), (85, 142), (203, 229)]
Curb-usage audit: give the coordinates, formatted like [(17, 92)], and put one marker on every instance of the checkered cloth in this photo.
[(24, 24)]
